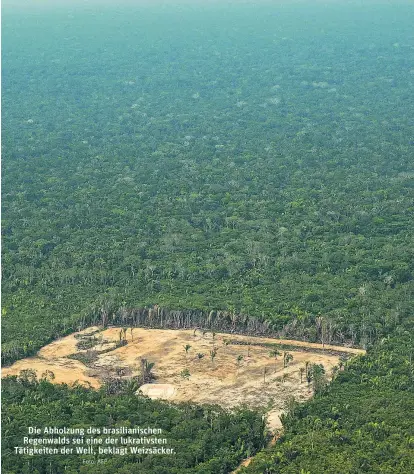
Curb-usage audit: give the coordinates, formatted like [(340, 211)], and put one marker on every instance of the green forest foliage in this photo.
[(363, 422), (205, 439), (249, 173), (233, 161)]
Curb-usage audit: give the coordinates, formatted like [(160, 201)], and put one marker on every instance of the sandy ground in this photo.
[(224, 381)]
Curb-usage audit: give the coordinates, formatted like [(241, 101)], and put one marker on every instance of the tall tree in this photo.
[(275, 354)]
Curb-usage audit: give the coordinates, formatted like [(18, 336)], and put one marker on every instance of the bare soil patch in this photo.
[(237, 374)]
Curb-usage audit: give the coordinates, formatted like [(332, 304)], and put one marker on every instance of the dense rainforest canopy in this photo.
[(205, 440), (256, 161), (207, 167)]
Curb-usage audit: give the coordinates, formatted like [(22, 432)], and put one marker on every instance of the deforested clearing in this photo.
[(190, 365)]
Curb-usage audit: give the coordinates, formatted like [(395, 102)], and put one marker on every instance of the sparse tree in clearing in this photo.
[(275, 353), (122, 337), (264, 374), (301, 372), (185, 374), (308, 372), (214, 337), (287, 357), (239, 360), (285, 377), (200, 355), (132, 334), (187, 347), (248, 349), (146, 368), (213, 354)]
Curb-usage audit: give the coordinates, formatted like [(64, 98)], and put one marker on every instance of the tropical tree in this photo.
[(308, 372), (318, 377), (122, 336), (275, 353), (213, 354), (185, 374), (146, 371), (187, 347), (287, 357)]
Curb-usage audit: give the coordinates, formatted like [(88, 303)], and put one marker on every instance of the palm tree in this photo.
[(275, 353), (320, 328), (213, 354), (308, 372), (187, 347), (146, 368), (301, 371), (287, 357), (239, 359)]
